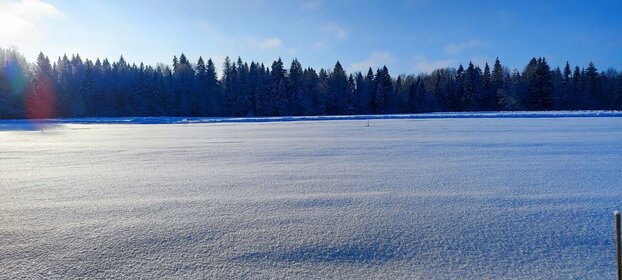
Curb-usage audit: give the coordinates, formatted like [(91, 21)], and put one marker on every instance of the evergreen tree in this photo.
[(87, 89), (229, 79), (73, 87), (41, 97), (349, 103), (361, 95), (200, 102), (423, 100), (338, 90), (577, 89), (592, 87), (411, 104), (472, 84), (488, 101), (322, 93), (557, 93), (215, 93), (455, 97), (278, 92), (371, 86), (243, 105), (311, 90), (440, 92), (539, 86), (296, 89), (498, 84), (566, 88)]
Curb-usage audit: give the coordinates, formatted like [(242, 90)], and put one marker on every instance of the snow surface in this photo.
[(438, 198), (25, 124)]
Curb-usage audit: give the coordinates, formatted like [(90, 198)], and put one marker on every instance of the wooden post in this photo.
[(616, 214)]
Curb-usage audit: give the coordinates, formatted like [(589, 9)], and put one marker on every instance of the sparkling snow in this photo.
[(437, 198)]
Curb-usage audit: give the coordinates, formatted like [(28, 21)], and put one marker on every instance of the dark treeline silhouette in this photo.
[(72, 87)]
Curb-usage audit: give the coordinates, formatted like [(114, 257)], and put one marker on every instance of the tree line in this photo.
[(73, 87)]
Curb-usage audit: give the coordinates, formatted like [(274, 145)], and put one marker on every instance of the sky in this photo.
[(408, 36)]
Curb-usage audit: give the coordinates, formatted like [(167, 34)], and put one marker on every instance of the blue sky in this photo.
[(409, 36)]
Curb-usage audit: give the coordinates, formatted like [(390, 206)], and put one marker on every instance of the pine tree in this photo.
[(184, 86), (349, 103), (87, 89), (557, 93), (371, 86), (229, 77), (566, 88), (440, 92), (411, 104), (488, 95), (338, 90), (472, 84), (41, 97), (84, 88), (200, 102), (323, 93), (277, 92), (539, 87), (311, 89), (361, 95), (384, 87), (454, 101), (296, 88), (243, 106), (498, 84), (423, 100), (592, 90), (400, 99)]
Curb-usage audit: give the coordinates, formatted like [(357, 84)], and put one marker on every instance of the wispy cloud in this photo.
[(266, 44), (318, 45), (337, 30), (423, 65), (376, 59), (211, 31), (228, 42), (18, 17), (312, 5), (460, 47)]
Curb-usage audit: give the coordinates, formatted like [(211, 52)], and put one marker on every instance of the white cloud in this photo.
[(337, 30), (458, 48), (209, 29), (232, 43), (376, 59), (318, 45), (266, 44), (21, 17), (423, 65), (312, 5)]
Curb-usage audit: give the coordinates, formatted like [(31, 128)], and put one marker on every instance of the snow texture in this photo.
[(423, 198), (25, 124)]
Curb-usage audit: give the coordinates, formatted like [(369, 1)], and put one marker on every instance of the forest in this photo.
[(73, 87)]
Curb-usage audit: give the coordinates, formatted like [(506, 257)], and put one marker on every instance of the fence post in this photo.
[(616, 214)]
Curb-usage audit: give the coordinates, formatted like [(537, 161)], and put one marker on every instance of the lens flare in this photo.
[(40, 101), (16, 77)]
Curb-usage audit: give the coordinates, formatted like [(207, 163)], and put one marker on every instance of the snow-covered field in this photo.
[(427, 198)]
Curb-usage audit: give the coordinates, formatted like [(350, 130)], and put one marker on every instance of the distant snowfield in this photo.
[(30, 125), (496, 197)]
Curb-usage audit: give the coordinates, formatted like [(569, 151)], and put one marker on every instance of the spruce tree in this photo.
[(338, 90), (41, 97), (349, 102), (488, 95)]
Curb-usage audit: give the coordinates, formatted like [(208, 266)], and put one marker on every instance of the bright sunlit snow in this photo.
[(439, 198)]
